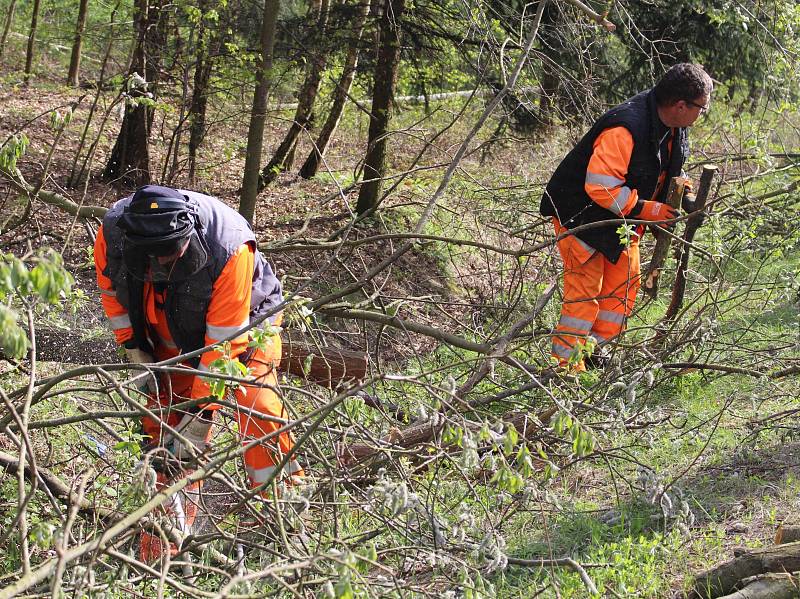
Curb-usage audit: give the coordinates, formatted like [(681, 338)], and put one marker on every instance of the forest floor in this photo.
[(713, 461)]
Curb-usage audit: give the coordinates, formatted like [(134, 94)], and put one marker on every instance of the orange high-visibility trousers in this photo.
[(598, 294), (265, 449)]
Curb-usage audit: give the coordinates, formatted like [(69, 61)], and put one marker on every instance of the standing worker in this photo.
[(618, 170), (178, 271)]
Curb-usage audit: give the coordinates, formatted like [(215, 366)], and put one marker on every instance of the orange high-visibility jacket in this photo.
[(235, 287), (621, 159)]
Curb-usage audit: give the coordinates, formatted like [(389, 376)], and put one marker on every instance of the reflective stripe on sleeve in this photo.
[(585, 245), (620, 201), (604, 180), (120, 322), (218, 333)]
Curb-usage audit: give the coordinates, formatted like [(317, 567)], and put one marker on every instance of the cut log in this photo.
[(787, 533), (678, 290), (769, 586), (417, 434), (677, 185), (725, 578), (324, 366)]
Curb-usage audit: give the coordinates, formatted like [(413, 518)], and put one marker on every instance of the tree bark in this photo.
[(304, 114), (324, 366), (769, 586), (7, 26), (679, 288), (311, 165), (549, 80), (32, 40), (723, 579), (129, 163), (380, 113), (77, 45), (675, 192), (208, 45), (787, 533), (255, 133)]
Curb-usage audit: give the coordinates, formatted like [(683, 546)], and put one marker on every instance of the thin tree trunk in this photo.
[(380, 113), (304, 115), (549, 81), (129, 163), (204, 64), (77, 45), (197, 111), (74, 175), (255, 133), (7, 26), (311, 165), (32, 40), (169, 172)]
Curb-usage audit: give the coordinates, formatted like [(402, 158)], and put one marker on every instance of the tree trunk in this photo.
[(32, 40), (197, 111), (304, 115), (7, 26), (724, 578), (129, 163), (380, 115), (311, 165), (77, 45), (551, 47), (255, 133), (204, 65)]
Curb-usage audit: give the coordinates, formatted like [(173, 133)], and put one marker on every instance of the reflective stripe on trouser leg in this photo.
[(261, 457), (582, 283), (617, 294)]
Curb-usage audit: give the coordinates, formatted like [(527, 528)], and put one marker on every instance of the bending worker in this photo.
[(618, 170), (178, 271)]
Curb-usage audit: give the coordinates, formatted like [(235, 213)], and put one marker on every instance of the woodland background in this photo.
[(391, 156)]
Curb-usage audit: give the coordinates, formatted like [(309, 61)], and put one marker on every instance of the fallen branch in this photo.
[(596, 17), (564, 562), (18, 182)]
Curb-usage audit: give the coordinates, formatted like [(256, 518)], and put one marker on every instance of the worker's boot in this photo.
[(598, 360)]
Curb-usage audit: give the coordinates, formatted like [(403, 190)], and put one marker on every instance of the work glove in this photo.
[(138, 356), (654, 211), (196, 429)]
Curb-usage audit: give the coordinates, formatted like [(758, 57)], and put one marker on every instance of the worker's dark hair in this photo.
[(684, 81)]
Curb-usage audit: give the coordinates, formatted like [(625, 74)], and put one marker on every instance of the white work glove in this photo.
[(138, 356), (195, 429)]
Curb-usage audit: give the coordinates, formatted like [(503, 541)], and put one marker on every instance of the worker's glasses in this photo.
[(703, 107)]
